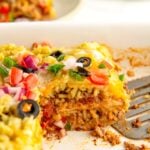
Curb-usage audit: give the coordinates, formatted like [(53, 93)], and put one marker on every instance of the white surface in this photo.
[(64, 8), (112, 10), (83, 141), (116, 35)]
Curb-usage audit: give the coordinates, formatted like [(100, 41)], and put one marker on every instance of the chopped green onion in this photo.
[(55, 68), (121, 77), (3, 71), (61, 57), (9, 62), (68, 126), (75, 75), (101, 66)]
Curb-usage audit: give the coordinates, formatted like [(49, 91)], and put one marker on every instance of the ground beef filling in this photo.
[(83, 113)]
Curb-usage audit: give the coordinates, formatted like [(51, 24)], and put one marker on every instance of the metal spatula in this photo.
[(140, 98)]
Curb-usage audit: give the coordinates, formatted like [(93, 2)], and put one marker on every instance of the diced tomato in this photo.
[(30, 95), (5, 9), (16, 76), (98, 78), (30, 81), (23, 64)]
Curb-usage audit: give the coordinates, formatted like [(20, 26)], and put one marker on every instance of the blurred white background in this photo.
[(112, 10)]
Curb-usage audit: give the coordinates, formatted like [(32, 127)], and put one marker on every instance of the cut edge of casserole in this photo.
[(84, 104)]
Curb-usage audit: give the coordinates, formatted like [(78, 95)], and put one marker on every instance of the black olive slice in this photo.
[(85, 60), (28, 70), (27, 108), (83, 72), (56, 54)]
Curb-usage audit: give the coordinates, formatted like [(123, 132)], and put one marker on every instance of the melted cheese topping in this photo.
[(98, 53)]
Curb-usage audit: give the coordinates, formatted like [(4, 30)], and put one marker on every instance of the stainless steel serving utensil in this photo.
[(141, 100)]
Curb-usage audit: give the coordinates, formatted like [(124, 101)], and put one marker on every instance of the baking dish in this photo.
[(118, 36)]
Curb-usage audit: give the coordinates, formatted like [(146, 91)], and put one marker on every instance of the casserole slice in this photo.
[(84, 89)]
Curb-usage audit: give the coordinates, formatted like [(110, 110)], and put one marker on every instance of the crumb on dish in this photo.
[(135, 106), (136, 123), (136, 56), (130, 146), (107, 135), (148, 130), (130, 73)]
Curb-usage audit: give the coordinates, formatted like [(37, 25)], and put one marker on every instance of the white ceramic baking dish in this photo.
[(63, 34), (118, 36)]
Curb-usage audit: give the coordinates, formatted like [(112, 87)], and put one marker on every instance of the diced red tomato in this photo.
[(4, 9), (30, 95), (98, 78), (16, 76), (30, 81), (23, 64)]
